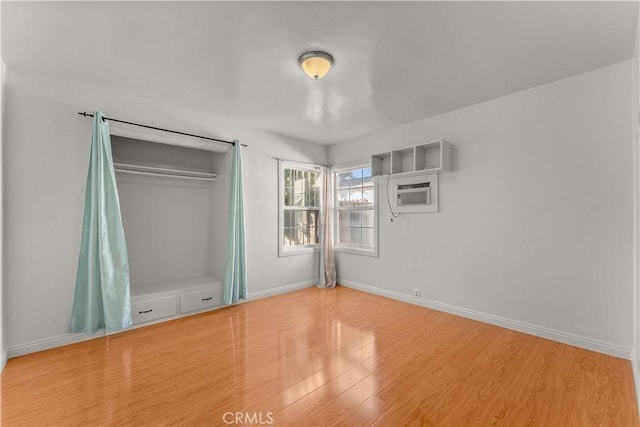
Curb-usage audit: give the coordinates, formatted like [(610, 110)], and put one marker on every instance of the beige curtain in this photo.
[(327, 259)]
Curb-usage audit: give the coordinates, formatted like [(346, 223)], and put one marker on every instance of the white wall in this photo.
[(635, 128), (536, 220), (3, 323), (47, 149)]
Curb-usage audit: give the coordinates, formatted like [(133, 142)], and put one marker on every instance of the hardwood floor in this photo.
[(319, 358)]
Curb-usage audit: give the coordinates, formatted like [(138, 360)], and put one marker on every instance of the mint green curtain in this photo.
[(235, 276), (102, 297)]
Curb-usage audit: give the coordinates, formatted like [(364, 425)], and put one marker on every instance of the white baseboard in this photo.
[(539, 331), (3, 359), (71, 338), (636, 374), (51, 342), (281, 290)]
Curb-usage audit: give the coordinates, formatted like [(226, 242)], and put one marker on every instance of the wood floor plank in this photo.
[(364, 414), (319, 357)]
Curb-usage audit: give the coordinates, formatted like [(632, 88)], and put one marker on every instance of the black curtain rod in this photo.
[(85, 114)]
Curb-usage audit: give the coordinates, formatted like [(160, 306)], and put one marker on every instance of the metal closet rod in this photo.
[(85, 114)]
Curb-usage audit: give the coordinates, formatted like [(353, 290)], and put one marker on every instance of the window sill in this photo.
[(298, 251), (355, 251)]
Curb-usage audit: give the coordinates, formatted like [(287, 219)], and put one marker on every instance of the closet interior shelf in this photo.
[(166, 172)]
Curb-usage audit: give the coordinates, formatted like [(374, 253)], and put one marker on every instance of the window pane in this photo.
[(367, 197), (289, 236), (343, 218), (355, 219), (367, 218), (356, 178), (298, 183), (355, 235), (288, 196), (355, 197), (301, 231), (301, 226), (366, 177), (313, 198), (343, 198), (367, 236), (316, 226), (343, 180), (314, 189), (289, 218), (312, 227), (343, 235), (301, 218), (298, 199), (287, 178), (312, 218)]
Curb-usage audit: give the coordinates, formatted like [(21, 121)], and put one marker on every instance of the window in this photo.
[(355, 222), (299, 208)]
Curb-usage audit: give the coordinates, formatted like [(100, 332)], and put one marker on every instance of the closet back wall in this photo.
[(167, 221), (46, 155)]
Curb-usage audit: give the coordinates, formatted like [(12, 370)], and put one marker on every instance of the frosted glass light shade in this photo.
[(316, 63)]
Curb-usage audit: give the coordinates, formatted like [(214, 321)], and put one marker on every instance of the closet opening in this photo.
[(173, 201)]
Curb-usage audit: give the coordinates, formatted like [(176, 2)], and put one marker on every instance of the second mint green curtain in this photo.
[(235, 276), (102, 295)]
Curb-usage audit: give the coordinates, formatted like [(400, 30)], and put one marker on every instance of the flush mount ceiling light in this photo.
[(315, 63)]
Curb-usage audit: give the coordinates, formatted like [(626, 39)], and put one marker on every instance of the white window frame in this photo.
[(358, 250), (299, 249)]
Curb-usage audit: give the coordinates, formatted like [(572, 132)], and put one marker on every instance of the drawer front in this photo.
[(145, 311), (197, 300)]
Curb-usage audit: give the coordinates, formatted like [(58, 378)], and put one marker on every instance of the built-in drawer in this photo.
[(197, 300), (152, 309)]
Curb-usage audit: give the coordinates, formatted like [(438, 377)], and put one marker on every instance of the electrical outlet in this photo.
[(416, 293)]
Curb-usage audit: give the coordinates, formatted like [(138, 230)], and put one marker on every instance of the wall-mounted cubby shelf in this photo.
[(431, 157), (381, 163)]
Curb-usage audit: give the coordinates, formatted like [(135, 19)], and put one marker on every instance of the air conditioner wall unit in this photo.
[(414, 193)]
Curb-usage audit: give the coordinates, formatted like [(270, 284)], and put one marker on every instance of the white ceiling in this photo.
[(396, 62)]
